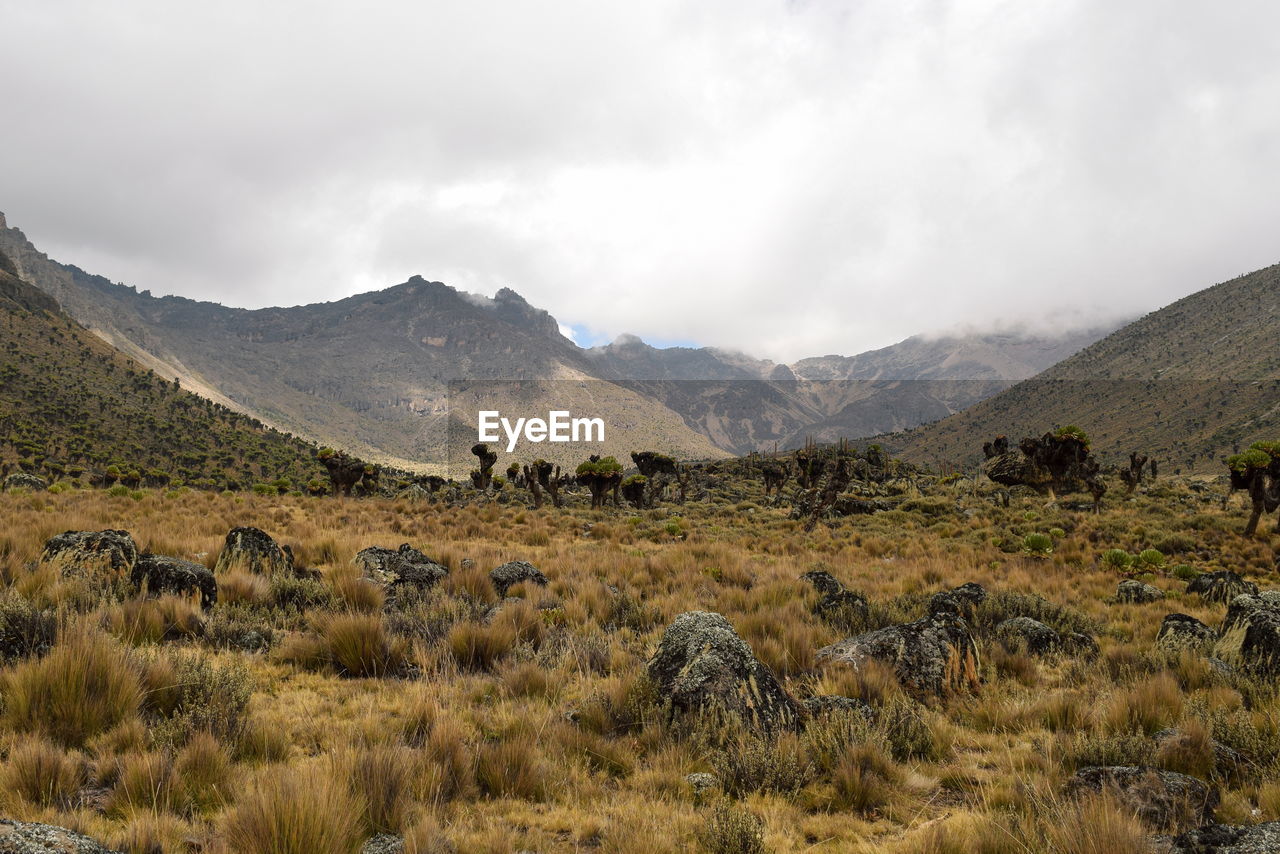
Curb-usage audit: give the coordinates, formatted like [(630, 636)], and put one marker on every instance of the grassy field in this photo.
[(310, 715)]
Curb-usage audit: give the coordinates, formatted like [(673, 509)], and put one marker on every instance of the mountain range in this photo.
[(397, 375), (1187, 384)]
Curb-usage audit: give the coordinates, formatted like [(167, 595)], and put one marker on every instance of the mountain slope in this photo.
[(70, 402), (1188, 384), (397, 375)]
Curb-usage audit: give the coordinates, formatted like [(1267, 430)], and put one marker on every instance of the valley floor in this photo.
[(317, 710)]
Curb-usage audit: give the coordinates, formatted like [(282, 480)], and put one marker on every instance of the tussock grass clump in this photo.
[(295, 812), (477, 646), (42, 773), (143, 621), (353, 644), (512, 767), (203, 776), (383, 776), (85, 686)]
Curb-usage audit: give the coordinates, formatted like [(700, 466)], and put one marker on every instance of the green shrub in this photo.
[(1117, 559), (1037, 544), (1186, 573), (732, 829), (1151, 558)]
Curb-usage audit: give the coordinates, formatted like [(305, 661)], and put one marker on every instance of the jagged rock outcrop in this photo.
[(935, 655), (253, 550), (1222, 586), (84, 554), (394, 568), (161, 574), (834, 597), (1137, 592), (1261, 838), (1183, 631), (1033, 636), (28, 837), (22, 480), (1162, 799), (514, 572), (702, 662)]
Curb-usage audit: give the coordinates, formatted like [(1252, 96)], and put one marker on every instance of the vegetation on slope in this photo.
[(73, 407), (1188, 384)]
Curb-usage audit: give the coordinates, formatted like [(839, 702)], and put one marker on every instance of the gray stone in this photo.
[(514, 572), (24, 837), (827, 704), (255, 551), (1033, 636), (935, 655), (1183, 631), (702, 662), (160, 574), (383, 843), (403, 566), (1227, 839), (22, 480), (83, 554), (1162, 799), (1137, 592), (1220, 586)]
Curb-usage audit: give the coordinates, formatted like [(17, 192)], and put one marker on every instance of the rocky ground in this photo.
[(198, 672)]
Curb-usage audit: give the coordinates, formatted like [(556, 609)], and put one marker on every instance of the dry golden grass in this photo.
[(531, 726)]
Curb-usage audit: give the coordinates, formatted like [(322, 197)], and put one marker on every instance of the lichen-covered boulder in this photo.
[(161, 574), (1220, 586), (253, 550), (834, 597), (970, 592), (84, 554), (1137, 592), (399, 567), (1162, 799), (701, 662), (22, 480), (1261, 838), (1033, 636), (1253, 626), (28, 837), (1183, 631), (935, 655), (514, 572)]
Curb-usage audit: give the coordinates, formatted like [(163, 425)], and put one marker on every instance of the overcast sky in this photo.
[(784, 178)]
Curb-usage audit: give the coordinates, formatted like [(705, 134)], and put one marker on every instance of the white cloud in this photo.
[(780, 178)]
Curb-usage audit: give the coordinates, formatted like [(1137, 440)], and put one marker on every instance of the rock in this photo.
[(402, 566), (22, 480), (1033, 636), (1261, 838), (253, 550), (1244, 605), (1078, 643), (702, 783), (383, 843), (24, 837), (834, 597), (1255, 622), (934, 655), (87, 553), (1183, 631), (1137, 592), (1220, 586), (161, 574), (414, 493), (701, 661), (826, 704), (972, 593), (513, 573), (1162, 799)]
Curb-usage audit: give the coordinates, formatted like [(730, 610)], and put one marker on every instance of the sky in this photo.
[(782, 178)]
